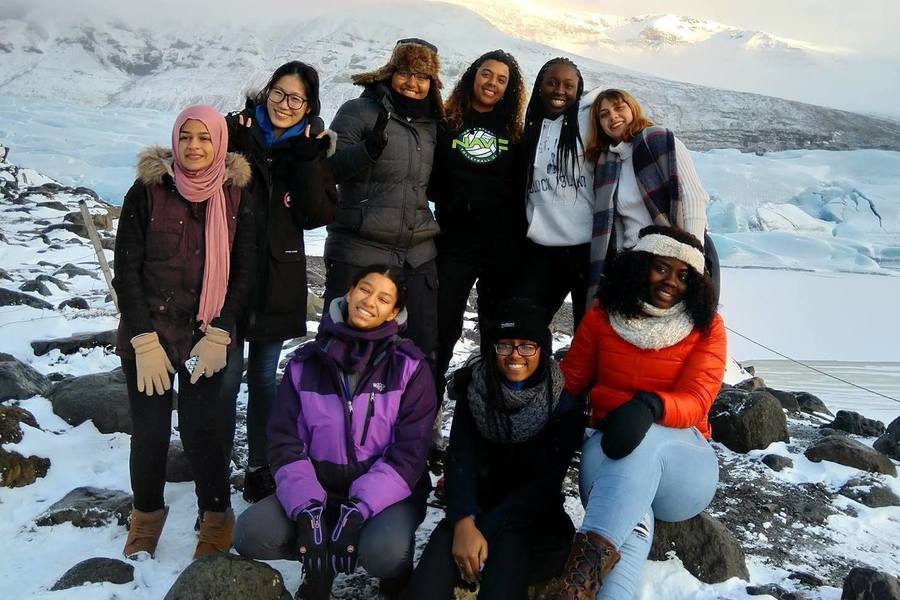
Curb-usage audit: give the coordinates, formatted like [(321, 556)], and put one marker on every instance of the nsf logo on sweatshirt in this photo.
[(480, 145)]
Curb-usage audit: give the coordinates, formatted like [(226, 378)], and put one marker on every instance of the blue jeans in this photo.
[(670, 476), (262, 362)]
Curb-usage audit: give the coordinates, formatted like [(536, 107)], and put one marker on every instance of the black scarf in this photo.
[(410, 108)]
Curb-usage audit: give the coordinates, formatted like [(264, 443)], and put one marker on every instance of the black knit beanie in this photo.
[(520, 319)]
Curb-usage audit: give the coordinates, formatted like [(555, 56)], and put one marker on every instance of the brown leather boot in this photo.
[(144, 532), (215, 533), (591, 559)]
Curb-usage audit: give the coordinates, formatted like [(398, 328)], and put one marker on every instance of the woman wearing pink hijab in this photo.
[(183, 261)]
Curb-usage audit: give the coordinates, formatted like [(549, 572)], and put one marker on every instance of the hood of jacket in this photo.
[(155, 163)]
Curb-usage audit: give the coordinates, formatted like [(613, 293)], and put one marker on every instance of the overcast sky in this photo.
[(868, 26)]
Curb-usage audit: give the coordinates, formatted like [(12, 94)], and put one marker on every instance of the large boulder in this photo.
[(745, 421), (869, 491), (811, 404), (788, 400), (88, 507), (99, 397), (14, 298), (847, 451), (95, 570), (853, 422), (863, 583), (19, 381), (18, 471), (708, 550), (74, 343), (228, 577), (36, 286), (751, 384), (10, 419), (889, 443)]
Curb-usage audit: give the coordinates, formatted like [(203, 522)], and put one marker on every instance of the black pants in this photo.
[(550, 273), (206, 424), (517, 558), (421, 299)]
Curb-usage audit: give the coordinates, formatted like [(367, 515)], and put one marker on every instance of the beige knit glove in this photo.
[(211, 352), (153, 366)]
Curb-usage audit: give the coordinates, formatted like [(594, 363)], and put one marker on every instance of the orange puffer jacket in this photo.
[(686, 376)]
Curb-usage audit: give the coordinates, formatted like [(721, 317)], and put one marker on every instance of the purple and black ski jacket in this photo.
[(352, 418)]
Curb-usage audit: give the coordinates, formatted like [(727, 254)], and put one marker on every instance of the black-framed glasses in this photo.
[(525, 350), (405, 75), (294, 101)]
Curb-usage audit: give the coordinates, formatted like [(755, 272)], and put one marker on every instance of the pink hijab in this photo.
[(203, 186)]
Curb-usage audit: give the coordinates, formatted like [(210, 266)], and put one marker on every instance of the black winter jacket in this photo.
[(292, 191)]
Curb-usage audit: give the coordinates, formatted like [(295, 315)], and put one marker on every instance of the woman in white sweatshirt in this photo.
[(644, 176)]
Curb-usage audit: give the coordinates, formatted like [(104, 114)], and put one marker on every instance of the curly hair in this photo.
[(626, 283), (569, 137), (512, 104), (597, 140)]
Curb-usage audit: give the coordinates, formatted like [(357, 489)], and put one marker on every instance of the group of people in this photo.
[(532, 204)]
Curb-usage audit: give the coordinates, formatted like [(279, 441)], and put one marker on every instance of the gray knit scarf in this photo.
[(657, 328), (517, 415)]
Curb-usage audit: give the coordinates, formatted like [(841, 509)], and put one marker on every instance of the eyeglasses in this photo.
[(294, 101), (405, 75), (524, 350)]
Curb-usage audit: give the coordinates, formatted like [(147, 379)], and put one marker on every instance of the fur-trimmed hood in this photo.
[(412, 56), (155, 162)]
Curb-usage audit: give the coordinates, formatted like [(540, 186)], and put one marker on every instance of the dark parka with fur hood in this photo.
[(383, 214), (160, 255), (292, 190)]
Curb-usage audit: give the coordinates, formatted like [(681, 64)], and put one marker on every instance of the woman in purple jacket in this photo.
[(348, 438)]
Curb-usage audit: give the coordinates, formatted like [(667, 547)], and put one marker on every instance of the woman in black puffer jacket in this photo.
[(283, 138)]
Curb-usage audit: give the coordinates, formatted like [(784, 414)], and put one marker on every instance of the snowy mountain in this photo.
[(706, 52), (118, 62)]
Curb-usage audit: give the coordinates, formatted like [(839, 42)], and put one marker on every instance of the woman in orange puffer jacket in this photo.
[(652, 351)]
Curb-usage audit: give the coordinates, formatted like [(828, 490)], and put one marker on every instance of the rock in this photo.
[(228, 577), (869, 491), (101, 220), (54, 204), (19, 381), (853, 422), (62, 285), (70, 271), (750, 385), (74, 343), (888, 444), (95, 570), (708, 550), (88, 507), (847, 451), (5, 275), (863, 583), (811, 404), (776, 462), (77, 302), (10, 417), (178, 468), (745, 422), (774, 590), (36, 286), (99, 397), (787, 399), (14, 298), (807, 578), (18, 471)]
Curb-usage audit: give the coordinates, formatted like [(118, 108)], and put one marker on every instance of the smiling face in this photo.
[(615, 118), (491, 80), (668, 281), (516, 367), (195, 147), (559, 89), (411, 84), (292, 103), (372, 302)]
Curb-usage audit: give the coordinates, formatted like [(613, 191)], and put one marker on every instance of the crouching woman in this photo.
[(184, 262), (652, 352), (348, 438), (513, 436)]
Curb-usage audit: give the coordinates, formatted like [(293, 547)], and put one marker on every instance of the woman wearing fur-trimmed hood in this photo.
[(382, 163)]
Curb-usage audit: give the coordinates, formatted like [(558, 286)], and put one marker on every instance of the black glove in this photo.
[(312, 539), (344, 547), (376, 140), (626, 426), (240, 133)]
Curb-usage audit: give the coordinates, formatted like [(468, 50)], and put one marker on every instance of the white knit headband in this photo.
[(663, 245)]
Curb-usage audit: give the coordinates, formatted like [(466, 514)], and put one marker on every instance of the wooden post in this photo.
[(98, 248)]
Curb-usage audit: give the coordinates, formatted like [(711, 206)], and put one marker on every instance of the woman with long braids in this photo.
[(651, 352), (474, 182), (559, 192)]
